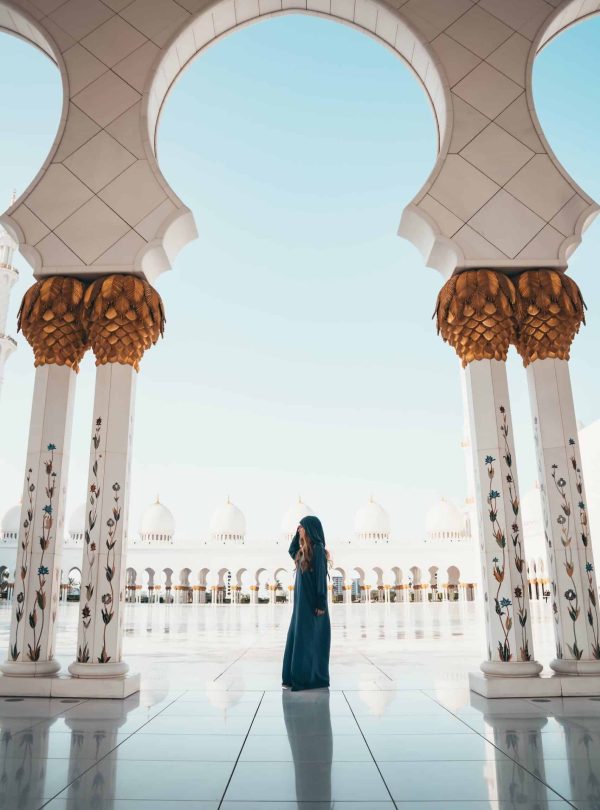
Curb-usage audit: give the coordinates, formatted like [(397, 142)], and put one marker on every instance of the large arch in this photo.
[(468, 212)]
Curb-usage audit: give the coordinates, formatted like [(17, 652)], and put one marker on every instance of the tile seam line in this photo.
[(101, 759), (546, 785), (235, 764), (231, 664), (362, 734), (373, 664)]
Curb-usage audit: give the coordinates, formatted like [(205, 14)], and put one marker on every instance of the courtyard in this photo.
[(211, 727)]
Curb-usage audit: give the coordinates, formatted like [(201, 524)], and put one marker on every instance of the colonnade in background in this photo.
[(479, 312)]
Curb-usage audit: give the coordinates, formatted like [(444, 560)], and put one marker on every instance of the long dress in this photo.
[(306, 658)]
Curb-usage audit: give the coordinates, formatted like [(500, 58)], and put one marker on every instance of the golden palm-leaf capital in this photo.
[(551, 311), (124, 316), (475, 313), (50, 318)]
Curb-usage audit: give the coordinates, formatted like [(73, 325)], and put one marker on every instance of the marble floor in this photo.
[(212, 729)]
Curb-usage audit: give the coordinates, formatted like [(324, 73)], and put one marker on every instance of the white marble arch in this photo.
[(496, 196)]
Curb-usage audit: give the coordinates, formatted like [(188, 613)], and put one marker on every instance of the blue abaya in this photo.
[(306, 658)]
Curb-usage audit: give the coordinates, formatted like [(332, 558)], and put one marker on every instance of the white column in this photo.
[(37, 586), (564, 504), (503, 559), (102, 605)]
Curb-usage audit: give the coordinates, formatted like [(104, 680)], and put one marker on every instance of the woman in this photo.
[(306, 659)]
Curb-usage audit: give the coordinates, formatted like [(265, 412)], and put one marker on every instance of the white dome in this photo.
[(293, 516), (372, 522), (228, 523), (77, 523), (445, 521), (157, 524), (9, 528)]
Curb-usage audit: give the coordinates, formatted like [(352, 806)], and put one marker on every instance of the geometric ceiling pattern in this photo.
[(497, 196)]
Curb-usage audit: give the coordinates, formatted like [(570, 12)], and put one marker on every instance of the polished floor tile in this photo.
[(181, 747), (305, 748), (141, 780), (425, 747), (342, 781), (463, 781)]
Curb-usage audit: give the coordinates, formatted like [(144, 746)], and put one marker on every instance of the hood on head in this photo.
[(313, 527)]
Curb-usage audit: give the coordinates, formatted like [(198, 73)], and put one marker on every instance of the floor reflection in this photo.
[(308, 726)]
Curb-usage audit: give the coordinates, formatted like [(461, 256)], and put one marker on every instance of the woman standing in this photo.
[(306, 658)]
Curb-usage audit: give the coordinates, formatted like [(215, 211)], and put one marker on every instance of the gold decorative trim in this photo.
[(475, 314), (51, 319), (124, 316), (552, 310)]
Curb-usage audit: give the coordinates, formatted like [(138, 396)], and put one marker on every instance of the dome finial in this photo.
[(157, 498)]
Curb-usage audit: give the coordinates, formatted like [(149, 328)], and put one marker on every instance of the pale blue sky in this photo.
[(300, 355)]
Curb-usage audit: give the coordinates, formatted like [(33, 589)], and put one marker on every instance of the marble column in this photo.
[(50, 318), (566, 524), (551, 313), (102, 602), (37, 586), (504, 568), (124, 316), (476, 313)]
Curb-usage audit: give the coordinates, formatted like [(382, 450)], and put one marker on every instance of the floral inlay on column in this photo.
[(518, 558), (108, 598), (566, 538), (36, 616), (83, 651), (39, 602), (503, 603), (20, 597), (592, 610)]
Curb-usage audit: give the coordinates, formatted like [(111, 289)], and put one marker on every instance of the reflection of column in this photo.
[(50, 320), (582, 751), (94, 733), (552, 311), (520, 737), (124, 317), (24, 762), (476, 315)]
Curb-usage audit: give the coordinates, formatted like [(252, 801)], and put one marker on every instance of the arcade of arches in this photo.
[(498, 217)]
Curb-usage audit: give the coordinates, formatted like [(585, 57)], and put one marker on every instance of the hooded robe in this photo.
[(306, 658)]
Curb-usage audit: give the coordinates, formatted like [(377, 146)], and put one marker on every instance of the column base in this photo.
[(29, 669), (511, 669), (65, 686), (118, 669), (535, 687), (564, 666)]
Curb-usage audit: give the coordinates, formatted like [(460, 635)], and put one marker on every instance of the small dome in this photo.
[(9, 528), (228, 523), (445, 521), (158, 524), (292, 518), (77, 523), (372, 522)]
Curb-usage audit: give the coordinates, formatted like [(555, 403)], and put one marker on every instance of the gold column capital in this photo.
[(51, 319), (551, 311), (124, 316), (475, 313)]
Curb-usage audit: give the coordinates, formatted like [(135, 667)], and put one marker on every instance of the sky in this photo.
[(300, 357)]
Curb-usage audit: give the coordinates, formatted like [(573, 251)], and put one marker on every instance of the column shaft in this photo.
[(504, 569), (99, 640), (38, 567), (564, 504)]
